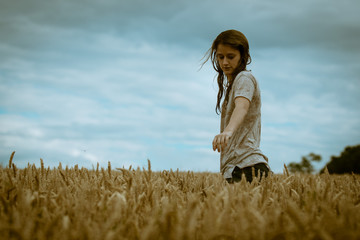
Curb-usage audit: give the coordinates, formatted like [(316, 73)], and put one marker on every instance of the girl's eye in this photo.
[(220, 57), (230, 57)]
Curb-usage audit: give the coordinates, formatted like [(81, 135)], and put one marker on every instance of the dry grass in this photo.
[(73, 203)]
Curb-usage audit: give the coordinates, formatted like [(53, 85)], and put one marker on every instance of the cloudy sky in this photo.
[(83, 82)]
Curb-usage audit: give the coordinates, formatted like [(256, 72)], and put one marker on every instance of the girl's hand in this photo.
[(242, 105), (221, 140)]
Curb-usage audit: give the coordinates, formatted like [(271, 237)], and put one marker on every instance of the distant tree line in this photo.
[(347, 162)]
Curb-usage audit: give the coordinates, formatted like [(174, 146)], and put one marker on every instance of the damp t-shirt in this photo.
[(243, 147)]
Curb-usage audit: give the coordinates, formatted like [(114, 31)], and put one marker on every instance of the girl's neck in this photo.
[(229, 79)]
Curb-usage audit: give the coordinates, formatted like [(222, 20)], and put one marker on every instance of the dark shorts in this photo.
[(248, 173)]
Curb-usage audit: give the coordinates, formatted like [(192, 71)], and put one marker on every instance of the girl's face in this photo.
[(228, 59)]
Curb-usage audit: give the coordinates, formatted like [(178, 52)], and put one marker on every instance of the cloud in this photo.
[(119, 81), (321, 24), (120, 111)]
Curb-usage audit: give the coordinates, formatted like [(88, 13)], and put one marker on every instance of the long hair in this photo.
[(236, 40)]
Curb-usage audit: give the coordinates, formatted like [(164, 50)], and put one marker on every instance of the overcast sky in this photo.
[(83, 82)]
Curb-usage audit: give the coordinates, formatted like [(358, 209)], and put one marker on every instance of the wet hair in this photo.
[(236, 40)]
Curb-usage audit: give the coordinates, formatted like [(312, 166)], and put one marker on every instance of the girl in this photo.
[(240, 127)]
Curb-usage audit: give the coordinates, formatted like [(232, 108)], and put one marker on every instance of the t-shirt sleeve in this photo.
[(244, 87)]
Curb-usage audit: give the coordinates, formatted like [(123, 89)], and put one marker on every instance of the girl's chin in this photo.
[(228, 73)]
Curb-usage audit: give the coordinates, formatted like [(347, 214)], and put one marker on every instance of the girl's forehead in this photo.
[(225, 49)]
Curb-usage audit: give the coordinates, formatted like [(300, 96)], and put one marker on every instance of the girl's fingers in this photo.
[(226, 140), (214, 143), (220, 142), (222, 139), (217, 143)]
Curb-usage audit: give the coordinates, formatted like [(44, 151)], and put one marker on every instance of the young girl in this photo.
[(240, 127)]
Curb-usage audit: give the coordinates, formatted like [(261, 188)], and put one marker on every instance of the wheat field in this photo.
[(77, 203)]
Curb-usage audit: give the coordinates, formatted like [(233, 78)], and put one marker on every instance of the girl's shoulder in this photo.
[(246, 74)]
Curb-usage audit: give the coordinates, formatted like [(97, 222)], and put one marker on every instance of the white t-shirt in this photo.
[(243, 147)]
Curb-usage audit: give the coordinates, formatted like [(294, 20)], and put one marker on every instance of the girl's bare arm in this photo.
[(237, 117)]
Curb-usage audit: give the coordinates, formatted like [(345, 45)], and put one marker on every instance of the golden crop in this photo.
[(74, 203)]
